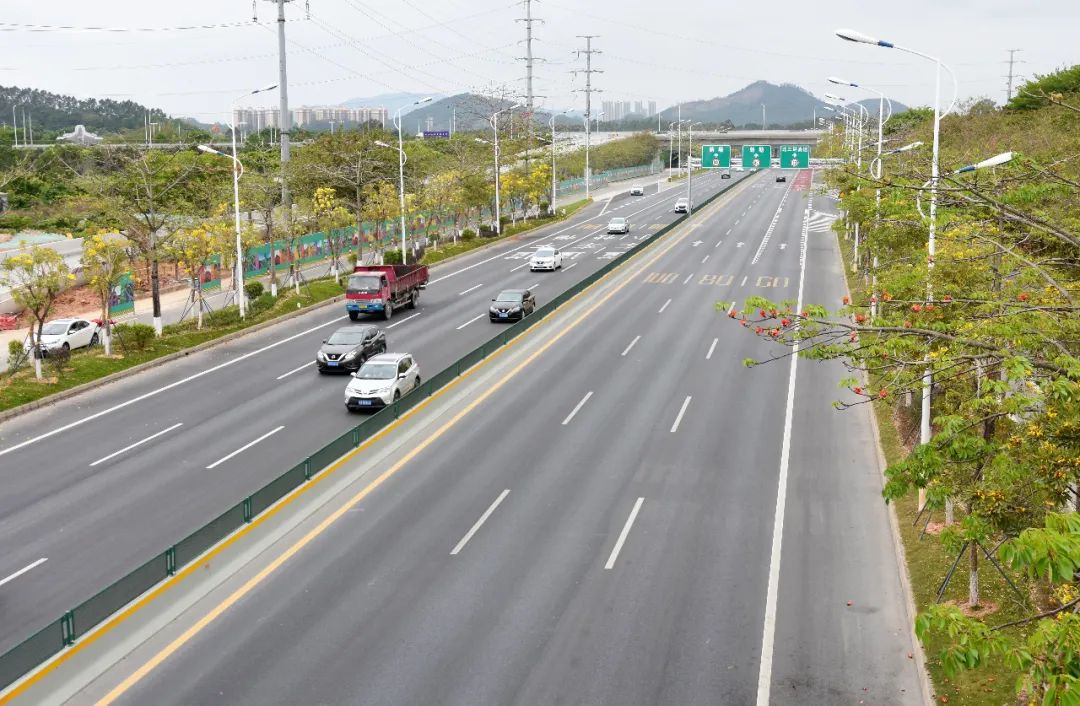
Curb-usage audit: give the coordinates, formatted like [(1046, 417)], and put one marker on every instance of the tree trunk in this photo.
[(973, 575), (273, 265), (155, 294)]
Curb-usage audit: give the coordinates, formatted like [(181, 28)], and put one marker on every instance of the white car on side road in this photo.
[(546, 258), (637, 190), (64, 335), (618, 225), (382, 380)]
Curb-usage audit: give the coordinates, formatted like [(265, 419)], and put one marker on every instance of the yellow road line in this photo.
[(255, 580)]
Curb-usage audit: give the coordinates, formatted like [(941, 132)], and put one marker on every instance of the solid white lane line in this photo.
[(704, 259), (606, 207), (475, 318), (570, 267), (679, 416), (534, 286), (479, 523), (245, 447), (515, 269), (772, 225), (23, 570), (400, 322), (636, 339), (165, 388), (664, 307), (294, 370), (137, 443), (769, 630), (622, 535), (472, 289), (712, 348), (579, 405)]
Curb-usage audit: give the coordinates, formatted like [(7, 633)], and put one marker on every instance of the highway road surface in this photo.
[(631, 518), (98, 484)]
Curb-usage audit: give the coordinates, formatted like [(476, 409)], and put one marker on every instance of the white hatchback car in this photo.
[(381, 381), (618, 225), (64, 335), (545, 259)]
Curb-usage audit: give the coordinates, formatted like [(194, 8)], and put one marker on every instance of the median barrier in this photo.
[(77, 622)]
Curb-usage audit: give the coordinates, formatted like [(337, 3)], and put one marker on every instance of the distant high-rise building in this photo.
[(257, 119), (652, 108), (639, 108)]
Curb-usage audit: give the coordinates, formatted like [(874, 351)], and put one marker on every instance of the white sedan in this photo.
[(64, 335), (545, 259)]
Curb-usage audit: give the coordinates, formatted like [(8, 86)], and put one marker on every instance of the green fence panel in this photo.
[(442, 378), (377, 422), (410, 400), (93, 610), (31, 652), (209, 534), (278, 488), (331, 452)]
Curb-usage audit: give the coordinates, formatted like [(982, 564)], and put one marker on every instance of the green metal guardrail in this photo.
[(76, 622), (569, 186)]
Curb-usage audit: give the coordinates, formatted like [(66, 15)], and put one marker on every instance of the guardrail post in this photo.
[(247, 509), (67, 627), (355, 439), (307, 468), (170, 560)]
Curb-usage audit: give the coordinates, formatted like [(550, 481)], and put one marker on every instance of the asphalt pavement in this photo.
[(628, 520), (98, 484)]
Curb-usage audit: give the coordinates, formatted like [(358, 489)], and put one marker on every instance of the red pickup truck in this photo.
[(381, 288)]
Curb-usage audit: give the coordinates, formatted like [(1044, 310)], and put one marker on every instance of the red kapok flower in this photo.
[(846, 299)]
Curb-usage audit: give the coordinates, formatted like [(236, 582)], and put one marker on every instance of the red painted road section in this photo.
[(802, 180)]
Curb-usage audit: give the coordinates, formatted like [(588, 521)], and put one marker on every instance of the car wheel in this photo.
[(354, 315), (94, 340), (412, 300), (65, 348), (388, 311), (397, 395)]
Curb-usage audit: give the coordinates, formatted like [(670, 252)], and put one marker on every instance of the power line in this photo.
[(20, 27)]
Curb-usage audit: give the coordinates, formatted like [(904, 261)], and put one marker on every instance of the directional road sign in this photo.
[(795, 156), (756, 156), (716, 156)]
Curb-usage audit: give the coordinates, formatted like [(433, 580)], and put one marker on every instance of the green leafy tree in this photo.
[(105, 261), (36, 278)]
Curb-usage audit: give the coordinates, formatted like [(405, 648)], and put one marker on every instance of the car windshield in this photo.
[(55, 328), (620, 221), (338, 338), (363, 284), (377, 371), (509, 297), (544, 253)]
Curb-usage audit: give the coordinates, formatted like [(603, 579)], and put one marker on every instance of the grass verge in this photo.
[(928, 560), (449, 250), (20, 387)]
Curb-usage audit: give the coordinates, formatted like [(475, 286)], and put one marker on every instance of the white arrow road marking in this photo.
[(739, 244), (696, 243)]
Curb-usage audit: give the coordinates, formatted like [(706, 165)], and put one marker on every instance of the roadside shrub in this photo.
[(253, 289), (134, 337), (468, 234), (261, 304), (391, 256), (16, 355), (57, 360), (226, 316)]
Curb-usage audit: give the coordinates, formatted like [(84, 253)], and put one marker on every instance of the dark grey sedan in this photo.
[(512, 305), (348, 348)]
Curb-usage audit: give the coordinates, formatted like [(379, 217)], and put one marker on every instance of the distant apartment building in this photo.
[(256, 119), (618, 110)]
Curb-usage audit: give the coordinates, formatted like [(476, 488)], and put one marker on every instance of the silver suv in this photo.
[(382, 380), (683, 205)]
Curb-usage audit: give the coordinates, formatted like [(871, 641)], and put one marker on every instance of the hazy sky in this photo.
[(651, 50)]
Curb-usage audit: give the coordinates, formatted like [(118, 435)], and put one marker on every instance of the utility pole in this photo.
[(284, 118), (530, 97), (1012, 60), (589, 71)]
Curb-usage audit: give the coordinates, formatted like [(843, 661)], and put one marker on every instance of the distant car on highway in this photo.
[(545, 259), (725, 175), (740, 168), (618, 225), (512, 305), (637, 190), (64, 335), (683, 205), (382, 380), (349, 347), (781, 177)]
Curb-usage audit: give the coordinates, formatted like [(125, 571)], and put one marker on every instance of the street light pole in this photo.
[(690, 172), (551, 205), (925, 432), (401, 170), (498, 207)]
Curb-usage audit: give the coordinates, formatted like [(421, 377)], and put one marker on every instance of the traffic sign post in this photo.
[(756, 156), (795, 156), (716, 156)]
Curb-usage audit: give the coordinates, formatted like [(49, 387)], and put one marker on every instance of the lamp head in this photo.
[(834, 97), (208, 149), (265, 88), (842, 82), (994, 161), (853, 36), (423, 100)]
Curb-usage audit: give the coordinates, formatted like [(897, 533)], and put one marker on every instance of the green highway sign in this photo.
[(795, 156), (716, 156), (756, 156)]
